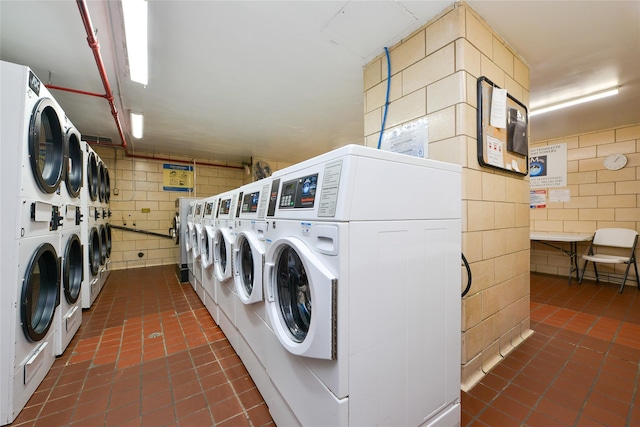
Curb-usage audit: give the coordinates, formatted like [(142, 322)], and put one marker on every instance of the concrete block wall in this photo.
[(139, 183), (600, 198), (433, 74)]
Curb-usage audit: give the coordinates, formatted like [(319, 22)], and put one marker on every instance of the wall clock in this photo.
[(615, 162)]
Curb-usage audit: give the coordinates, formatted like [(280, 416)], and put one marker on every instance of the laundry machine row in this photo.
[(95, 229), (337, 282), (41, 274)]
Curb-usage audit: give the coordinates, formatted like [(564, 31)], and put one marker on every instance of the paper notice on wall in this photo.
[(495, 152), (548, 166), (411, 138), (537, 199), (498, 118), (559, 196)]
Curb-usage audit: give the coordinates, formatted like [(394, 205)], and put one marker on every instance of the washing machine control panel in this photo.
[(299, 192)]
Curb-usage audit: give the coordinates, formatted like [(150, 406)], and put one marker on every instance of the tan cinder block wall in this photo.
[(600, 198), (139, 183), (434, 74)]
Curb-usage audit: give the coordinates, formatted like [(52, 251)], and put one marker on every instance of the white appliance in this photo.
[(362, 281), (208, 279), (191, 242), (69, 316), (222, 264), (197, 248), (31, 169), (90, 228), (248, 264), (178, 232), (103, 213)]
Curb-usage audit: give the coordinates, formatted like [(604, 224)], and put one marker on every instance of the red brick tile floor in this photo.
[(149, 354), (581, 367)]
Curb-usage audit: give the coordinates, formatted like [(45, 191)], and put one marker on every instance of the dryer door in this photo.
[(248, 266), (95, 248), (72, 269), (40, 292), (107, 229), (73, 176), (301, 295), (46, 146), (103, 244), (189, 232), (197, 245), (93, 180), (222, 246)]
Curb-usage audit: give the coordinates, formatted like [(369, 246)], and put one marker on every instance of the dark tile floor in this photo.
[(579, 368), (149, 354)]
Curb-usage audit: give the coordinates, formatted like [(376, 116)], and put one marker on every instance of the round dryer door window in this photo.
[(293, 293), (72, 270), (107, 228), (245, 268), (101, 183), (46, 146), (40, 292), (107, 185), (221, 250), (175, 230), (74, 163), (94, 251), (92, 176), (103, 244)]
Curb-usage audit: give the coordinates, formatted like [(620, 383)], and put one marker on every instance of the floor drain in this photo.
[(155, 335)]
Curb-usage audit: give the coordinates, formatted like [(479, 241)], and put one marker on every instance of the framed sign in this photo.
[(503, 123)]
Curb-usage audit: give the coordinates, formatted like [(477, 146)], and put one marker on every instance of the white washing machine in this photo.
[(208, 279), (177, 230), (223, 264), (248, 265), (362, 281), (31, 169), (189, 232), (197, 237), (90, 227)]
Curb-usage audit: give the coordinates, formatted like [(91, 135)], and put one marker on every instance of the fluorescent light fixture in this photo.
[(137, 124), (135, 30), (572, 102)]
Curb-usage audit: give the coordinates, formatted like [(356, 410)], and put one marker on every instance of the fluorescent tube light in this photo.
[(135, 29), (137, 124), (570, 103)]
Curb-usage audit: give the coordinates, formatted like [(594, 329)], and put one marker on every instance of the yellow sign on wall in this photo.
[(177, 177)]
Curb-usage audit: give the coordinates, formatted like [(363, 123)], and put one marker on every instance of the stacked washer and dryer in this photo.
[(41, 255), (337, 281)]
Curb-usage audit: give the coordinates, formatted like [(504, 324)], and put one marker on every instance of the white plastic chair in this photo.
[(613, 238)]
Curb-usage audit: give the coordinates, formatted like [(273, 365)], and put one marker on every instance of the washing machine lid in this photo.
[(222, 254), (47, 148), (248, 266), (301, 299), (40, 292)]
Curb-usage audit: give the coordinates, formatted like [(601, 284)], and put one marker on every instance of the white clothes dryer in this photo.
[(362, 281), (33, 120), (208, 278), (90, 227), (69, 316)]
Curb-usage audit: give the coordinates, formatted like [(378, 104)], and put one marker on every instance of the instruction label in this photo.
[(330, 186)]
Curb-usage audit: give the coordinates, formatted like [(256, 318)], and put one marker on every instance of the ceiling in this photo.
[(282, 80)]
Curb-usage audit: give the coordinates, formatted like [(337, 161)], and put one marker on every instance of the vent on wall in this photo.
[(93, 139)]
